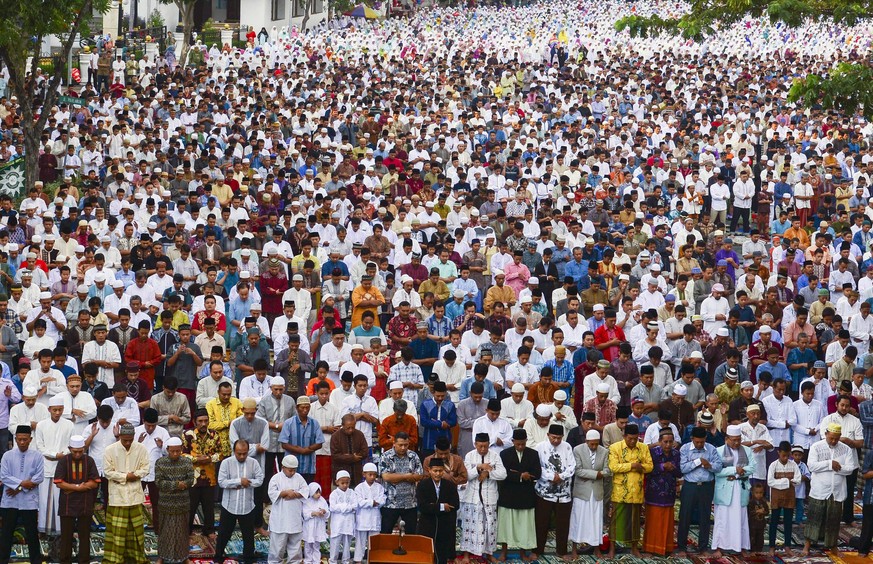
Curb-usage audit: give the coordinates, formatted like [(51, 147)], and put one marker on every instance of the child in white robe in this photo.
[(315, 515), (371, 496), (343, 504)]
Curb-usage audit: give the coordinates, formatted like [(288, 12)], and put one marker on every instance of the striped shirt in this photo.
[(295, 432)]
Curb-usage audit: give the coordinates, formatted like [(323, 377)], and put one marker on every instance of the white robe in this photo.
[(731, 527), (51, 438), (286, 516), (83, 402), (150, 442), (368, 516), (343, 505)]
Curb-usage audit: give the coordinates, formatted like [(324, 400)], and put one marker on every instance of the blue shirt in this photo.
[(16, 467), (328, 266), (778, 370), (297, 434), (238, 310), (576, 270), (432, 417), (128, 277), (464, 392), (562, 373), (454, 309), (693, 472)]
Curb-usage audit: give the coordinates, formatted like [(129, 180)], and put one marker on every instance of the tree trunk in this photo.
[(186, 12), (307, 9)]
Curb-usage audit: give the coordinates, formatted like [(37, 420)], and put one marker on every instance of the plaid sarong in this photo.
[(125, 535)]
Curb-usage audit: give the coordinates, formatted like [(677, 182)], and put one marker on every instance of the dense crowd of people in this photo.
[(505, 270)]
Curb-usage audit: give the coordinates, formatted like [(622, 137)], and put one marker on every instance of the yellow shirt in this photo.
[(220, 417), (505, 295), (117, 462), (627, 484), (359, 295)]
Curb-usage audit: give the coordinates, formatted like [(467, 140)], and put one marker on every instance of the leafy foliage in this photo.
[(848, 87), (24, 24)]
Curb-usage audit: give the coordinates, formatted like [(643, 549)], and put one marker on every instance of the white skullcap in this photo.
[(290, 461), (174, 441), (496, 272), (342, 474), (518, 388), (598, 307), (45, 295), (592, 435), (602, 388), (30, 391), (56, 401), (733, 431), (543, 410), (78, 441), (680, 390), (395, 385), (723, 332), (277, 381), (370, 467), (560, 395)]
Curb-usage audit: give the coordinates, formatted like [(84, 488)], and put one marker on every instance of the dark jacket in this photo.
[(436, 524), (515, 493)]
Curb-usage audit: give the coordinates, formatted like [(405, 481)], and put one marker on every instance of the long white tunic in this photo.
[(51, 438), (370, 498), (343, 507), (498, 429), (103, 437), (515, 412), (20, 414), (151, 442), (84, 402), (286, 516), (54, 384), (109, 352), (825, 481)]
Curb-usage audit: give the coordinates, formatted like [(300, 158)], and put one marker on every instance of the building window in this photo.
[(221, 4), (278, 9), (318, 7), (299, 7)]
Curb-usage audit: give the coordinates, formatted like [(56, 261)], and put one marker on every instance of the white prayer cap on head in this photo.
[(290, 461), (598, 307), (370, 467), (395, 385), (543, 410), (56, 401), (342, 474), (560, 395), (592, 435), (518, 388), (733, 431), (78, 441), (45, 295), (277, 381), (174, 441), (602, 388), (30, 391), (680, 390)]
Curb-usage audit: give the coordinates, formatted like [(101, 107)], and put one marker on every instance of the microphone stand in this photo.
[(400, 551)]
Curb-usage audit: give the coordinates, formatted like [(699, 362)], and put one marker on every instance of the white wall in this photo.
[(258, 14)]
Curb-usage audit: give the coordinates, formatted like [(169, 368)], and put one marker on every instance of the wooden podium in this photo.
[(419, 549)]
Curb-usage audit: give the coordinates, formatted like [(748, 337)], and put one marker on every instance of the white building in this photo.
[(249, 13)]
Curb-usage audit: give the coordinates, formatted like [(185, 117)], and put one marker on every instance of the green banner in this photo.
[(12, 178), (71, 100)]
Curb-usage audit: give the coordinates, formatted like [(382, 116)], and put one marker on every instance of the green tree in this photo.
[(847, 87), (186, 18), (24, 24)]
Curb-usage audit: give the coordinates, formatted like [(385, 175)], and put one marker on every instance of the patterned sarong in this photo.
[(125, 535), (823, 521), (625, 526)]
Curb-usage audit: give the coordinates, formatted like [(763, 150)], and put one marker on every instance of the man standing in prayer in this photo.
[(829, 461), (253, 430), (732, 488), (79, 406), (174, 476), (286, 491), (154, 438), (21, 472), (659, 536), (275, 408), (203, 446), (77, 477), (239, 475), (516, 522), (52, 439), (498, 429), (629, 461), (125, 464), (479, 501), (554, 495), (699, 462), (586, 520), (437, 500)]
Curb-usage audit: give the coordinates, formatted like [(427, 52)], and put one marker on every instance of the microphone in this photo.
[(400, 551)]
